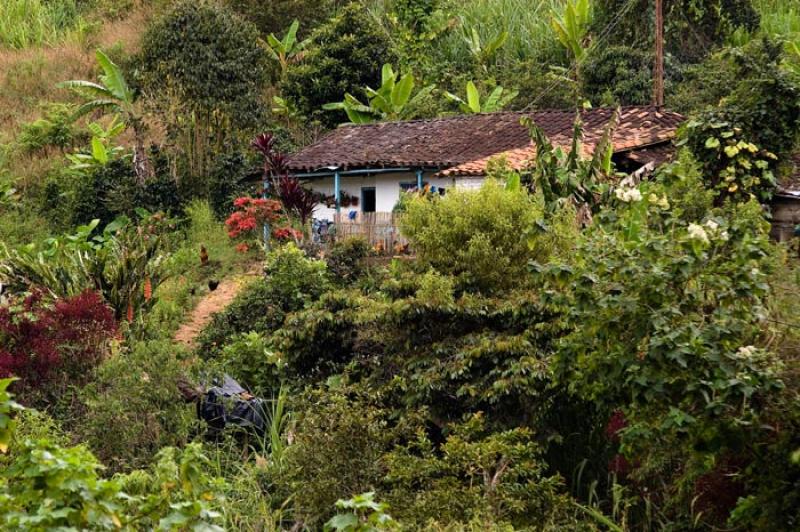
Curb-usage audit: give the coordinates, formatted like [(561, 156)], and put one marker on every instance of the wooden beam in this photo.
[(658, 74)]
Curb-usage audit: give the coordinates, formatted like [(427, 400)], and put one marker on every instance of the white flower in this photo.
[(747, 351), (628, 194), (696, 232), (712, 225), (723, 236)]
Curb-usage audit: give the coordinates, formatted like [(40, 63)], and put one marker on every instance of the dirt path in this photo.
[(211, 303)]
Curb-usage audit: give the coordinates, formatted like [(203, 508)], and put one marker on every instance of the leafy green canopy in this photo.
[(204, 70), (208, 58), (344, 55)]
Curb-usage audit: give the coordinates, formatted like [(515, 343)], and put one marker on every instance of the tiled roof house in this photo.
[(373, 162)]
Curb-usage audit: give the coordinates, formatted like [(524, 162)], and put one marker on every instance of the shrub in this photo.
[(255, 309), (251, 215), (759, 103), (346, 261), (123, 263), (618, 75), (318, 341), (294, 278), (666, 315), (344, 55), (53, 487), (249, 359), (133, 406), (478, 237), (52, 346), (55, 129), (107, 191), (498, 477), (453, 356), (338, 443), (49, 487), (228, 180), (734, 167), (291, 281)]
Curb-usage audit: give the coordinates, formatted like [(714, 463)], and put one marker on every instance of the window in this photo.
[(367, 199)]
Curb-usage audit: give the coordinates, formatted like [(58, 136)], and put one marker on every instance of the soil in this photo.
[(213, 302)]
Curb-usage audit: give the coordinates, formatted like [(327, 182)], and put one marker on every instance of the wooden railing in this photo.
[(380, 229)]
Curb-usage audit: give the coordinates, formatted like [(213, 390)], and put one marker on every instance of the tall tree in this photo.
[(203, 67)]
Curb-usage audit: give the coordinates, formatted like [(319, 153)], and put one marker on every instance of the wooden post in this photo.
[(337, 193), (658, 74)]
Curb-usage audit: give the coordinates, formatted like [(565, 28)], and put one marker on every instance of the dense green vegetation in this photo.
[(563, 350)]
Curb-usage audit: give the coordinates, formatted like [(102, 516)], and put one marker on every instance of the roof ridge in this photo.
[(462, 116)]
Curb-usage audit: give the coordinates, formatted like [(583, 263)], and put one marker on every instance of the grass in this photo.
[(27, 23), (780, 18), (527, 23), (28, 79)]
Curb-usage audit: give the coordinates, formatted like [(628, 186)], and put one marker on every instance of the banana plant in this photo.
[(288, 49), (484, 52), (392, 101), (101, 151), (496, 101), (567, 176), (572, 26), (113, 94)]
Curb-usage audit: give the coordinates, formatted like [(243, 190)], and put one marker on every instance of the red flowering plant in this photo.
[(285, 234), (53, 344), (251, 215)]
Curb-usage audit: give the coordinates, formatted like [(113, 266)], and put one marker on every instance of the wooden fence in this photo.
[(380, 229)]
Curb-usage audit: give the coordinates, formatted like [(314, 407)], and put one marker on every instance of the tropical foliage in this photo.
[(570, 346)]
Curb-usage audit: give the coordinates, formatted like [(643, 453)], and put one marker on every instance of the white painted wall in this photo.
[(387, 190)]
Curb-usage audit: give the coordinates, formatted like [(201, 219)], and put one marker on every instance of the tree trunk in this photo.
[(141, 162)]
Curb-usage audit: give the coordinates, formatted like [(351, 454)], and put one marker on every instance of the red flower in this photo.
[(286, 233), (252, 213), (242, 248)]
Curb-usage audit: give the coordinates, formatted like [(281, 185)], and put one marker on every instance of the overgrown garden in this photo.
[(567, 348)]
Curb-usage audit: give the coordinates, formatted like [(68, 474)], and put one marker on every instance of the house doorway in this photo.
[(367, 199)]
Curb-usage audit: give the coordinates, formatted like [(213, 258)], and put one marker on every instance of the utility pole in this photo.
[(658, 75)]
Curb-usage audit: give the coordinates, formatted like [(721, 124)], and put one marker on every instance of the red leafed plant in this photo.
[(296, 199), (51, 345), (274, 161), (252, 213)]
